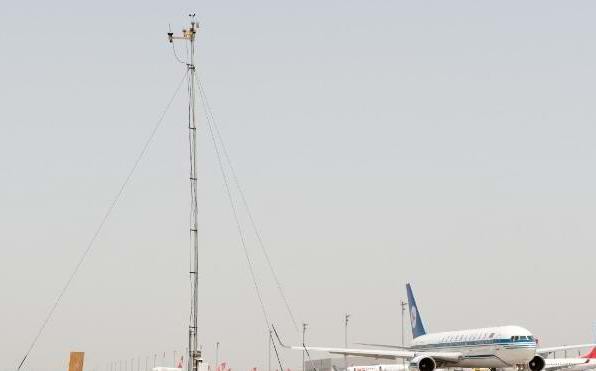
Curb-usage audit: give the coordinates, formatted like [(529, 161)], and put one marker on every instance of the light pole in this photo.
[(347, 320), (217, 356), (269, 341), (304, 327), (403, 311)]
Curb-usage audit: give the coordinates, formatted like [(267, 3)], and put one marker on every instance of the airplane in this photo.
[(492, 347), (582, 363)]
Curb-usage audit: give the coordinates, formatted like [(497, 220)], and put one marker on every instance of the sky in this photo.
[(446, 144)]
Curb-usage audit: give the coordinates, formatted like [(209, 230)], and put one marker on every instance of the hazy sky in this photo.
[(445, 143)]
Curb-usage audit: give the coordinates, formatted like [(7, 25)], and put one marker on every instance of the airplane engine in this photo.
[(537, 363), (423, 363)]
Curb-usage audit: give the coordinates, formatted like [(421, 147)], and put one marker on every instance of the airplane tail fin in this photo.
[(591, 354), (415, 319)]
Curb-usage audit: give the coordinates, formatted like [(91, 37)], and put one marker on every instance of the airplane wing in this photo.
[(446, 357), (584, 366), (561, 348), (573, 364), (385, 346), (385, 354)]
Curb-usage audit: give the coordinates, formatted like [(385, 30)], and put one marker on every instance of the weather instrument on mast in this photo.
[(189, 35)]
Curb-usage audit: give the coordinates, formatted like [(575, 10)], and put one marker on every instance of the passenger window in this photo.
[(491, 335)]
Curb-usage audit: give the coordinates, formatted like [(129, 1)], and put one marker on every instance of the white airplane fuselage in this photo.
[(493, 347)]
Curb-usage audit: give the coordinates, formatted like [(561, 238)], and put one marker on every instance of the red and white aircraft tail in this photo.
[(591, 354)]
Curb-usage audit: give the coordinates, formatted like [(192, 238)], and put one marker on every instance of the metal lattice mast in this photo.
[(194, 353)]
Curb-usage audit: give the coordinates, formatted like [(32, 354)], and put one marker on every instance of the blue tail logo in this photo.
[(415, 320)]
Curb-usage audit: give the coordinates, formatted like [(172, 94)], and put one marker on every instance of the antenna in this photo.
[(189, 35)]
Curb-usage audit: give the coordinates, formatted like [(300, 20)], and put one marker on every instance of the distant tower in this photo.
[(194, 353)]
